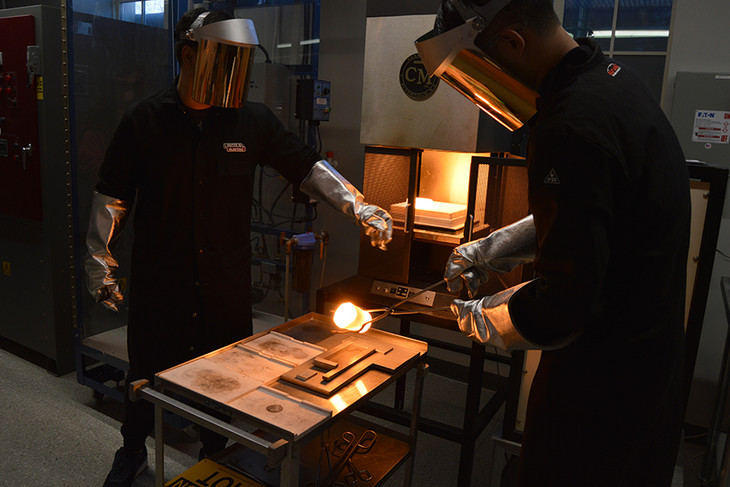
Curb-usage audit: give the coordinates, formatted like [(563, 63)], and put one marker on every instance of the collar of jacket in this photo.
[(170, 95), (580, 59)]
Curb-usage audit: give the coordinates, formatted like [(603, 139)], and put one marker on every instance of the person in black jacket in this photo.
[(189, 168), (608, 235)]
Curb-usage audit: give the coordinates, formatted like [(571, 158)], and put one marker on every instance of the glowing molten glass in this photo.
[(352, 318)]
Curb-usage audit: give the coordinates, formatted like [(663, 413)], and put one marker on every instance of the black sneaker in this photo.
[(127, 467)]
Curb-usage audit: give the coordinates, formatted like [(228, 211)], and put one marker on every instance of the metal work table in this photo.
[(290, 447), (357, 289)]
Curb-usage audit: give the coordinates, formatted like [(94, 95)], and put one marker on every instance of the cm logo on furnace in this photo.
[(414, 79)]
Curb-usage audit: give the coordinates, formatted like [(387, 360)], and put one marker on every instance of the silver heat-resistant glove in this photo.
[(500, 251), (488, 321), (324, 183), (108, 216)]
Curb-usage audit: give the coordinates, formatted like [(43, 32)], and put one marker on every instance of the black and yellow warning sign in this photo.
[(208, 473)]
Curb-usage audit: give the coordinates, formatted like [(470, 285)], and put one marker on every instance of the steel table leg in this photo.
[(290, 467), (400, 384), (159, 448), (415, 415), (471, 412)]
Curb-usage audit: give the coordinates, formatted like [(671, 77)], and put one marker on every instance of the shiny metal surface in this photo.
[(455, 58), (487, 320), (502, 97), (108, 217), (236, 32), (225, 55), (319, 330), (501, 251), (326, 184)]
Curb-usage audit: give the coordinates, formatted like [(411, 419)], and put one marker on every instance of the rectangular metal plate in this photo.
[(281, 410), (211, 379), (283, 348)]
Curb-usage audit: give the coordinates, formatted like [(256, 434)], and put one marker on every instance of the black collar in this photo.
[(587, 55), (170, 95)]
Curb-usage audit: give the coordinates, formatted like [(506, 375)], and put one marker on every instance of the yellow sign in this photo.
[(207, 473), (6, 268), (39, 87)]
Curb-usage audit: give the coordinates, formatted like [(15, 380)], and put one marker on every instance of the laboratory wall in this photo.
[(342, 48), (698, 43)]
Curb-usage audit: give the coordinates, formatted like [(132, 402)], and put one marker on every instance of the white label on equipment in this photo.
[(321, 101), (711, 126)]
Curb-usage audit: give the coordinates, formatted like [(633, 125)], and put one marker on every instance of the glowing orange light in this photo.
[(424, 203), (352, 318)]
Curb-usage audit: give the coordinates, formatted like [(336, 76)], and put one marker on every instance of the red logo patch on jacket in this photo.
[(613, 69), (234, 147)]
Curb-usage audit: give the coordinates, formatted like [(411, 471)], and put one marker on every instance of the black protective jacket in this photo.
[(609, 191), (191, 259)]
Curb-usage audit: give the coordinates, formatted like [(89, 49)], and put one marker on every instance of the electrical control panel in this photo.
[(313, 100), (20, 171), (399, 292)]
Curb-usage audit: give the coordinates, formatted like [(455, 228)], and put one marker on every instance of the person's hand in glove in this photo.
[(500, 251), (378, 224), (324, 183), (488, 320), (110, 295), (474, 323)]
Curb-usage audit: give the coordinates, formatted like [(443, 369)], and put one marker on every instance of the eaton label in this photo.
[(711, 127)]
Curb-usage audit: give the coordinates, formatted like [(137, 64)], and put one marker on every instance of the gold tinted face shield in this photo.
[(223, 64), (453, 57)]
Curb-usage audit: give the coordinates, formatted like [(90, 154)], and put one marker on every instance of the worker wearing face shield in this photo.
[(186, 157), (607, 234)]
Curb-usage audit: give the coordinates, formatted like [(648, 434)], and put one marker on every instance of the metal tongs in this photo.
[(391, 310), (362, 445)]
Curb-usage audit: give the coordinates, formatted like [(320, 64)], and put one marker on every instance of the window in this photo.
[(633, 32), (147, 12)]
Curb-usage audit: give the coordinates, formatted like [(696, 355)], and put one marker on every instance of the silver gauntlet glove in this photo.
[(324, 183), (487, 320), (500, 251), (108, 216)]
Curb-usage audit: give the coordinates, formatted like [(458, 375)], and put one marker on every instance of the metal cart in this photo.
[(318, 405)]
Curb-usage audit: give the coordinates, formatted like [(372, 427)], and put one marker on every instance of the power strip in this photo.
[(400, 292)]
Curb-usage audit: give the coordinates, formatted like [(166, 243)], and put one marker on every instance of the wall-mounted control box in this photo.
[(313, 100)]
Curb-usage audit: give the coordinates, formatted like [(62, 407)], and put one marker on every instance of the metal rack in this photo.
[(276, 446)]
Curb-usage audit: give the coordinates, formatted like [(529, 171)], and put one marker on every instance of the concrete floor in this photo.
[(54, 433)]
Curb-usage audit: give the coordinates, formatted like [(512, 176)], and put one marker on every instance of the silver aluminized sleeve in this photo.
[(108, 217), (500, 251), (511, 246), (324, 183), (488, 320)]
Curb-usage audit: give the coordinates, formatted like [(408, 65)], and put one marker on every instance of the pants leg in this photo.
[(139, 419)]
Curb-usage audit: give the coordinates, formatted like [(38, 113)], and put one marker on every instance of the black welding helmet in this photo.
[(224, 57), (455, 58)]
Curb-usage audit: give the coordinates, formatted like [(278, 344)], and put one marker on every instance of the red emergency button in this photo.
[(8, 89)]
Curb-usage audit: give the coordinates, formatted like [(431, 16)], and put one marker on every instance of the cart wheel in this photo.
[(98, 397)]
